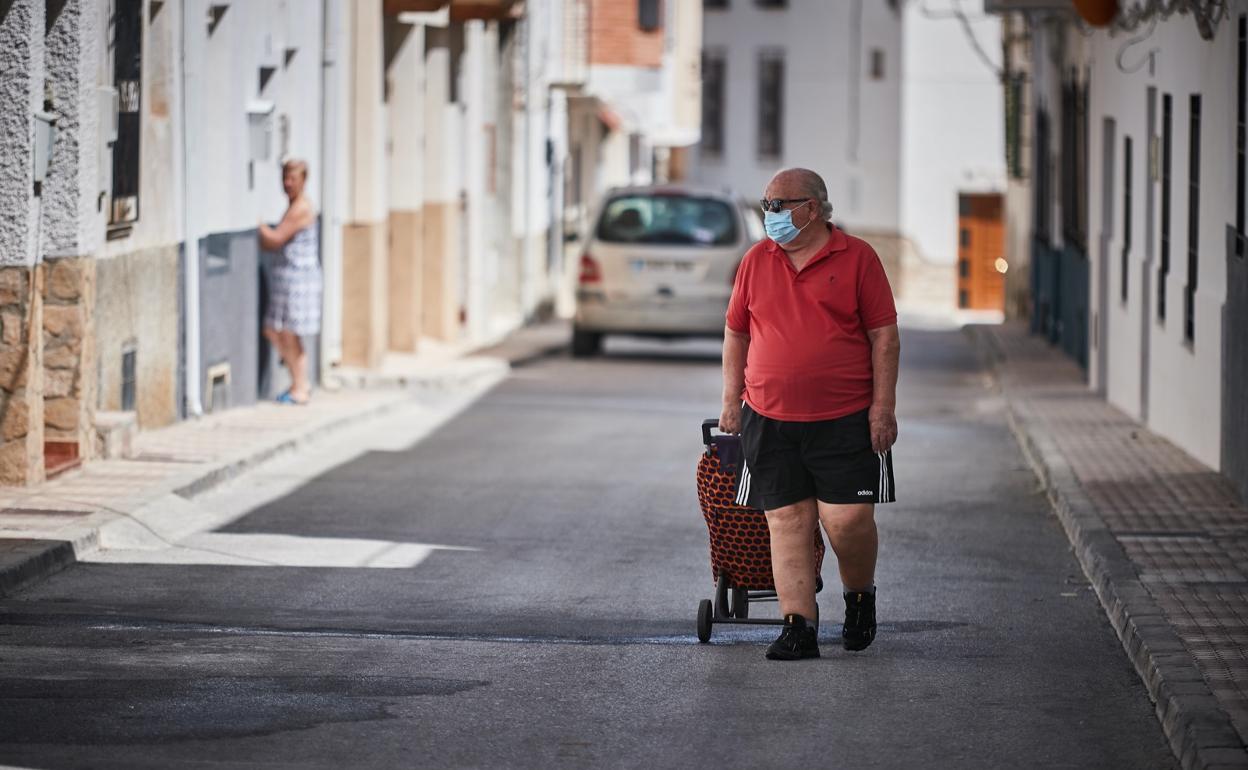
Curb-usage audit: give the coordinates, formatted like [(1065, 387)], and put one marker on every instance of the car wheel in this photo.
[(585, 344)]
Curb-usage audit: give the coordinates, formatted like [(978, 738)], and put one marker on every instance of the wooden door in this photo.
[(981, 252)]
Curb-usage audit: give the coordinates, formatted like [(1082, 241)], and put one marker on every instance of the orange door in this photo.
[(981, 252)]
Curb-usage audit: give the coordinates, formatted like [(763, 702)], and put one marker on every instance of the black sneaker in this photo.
[(796, 641), (859, 629)]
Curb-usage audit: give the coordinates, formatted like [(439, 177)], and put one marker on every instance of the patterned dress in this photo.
[(295, 286)]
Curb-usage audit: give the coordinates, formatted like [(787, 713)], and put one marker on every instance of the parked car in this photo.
[(660, 261)]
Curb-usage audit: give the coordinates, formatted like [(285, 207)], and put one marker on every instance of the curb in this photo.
[(26, 562), (1200, 733)]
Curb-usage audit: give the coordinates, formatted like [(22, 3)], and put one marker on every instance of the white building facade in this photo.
[(440, 138), (889, 101), (1141, 165)]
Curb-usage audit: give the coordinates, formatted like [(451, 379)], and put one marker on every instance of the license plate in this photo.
[(661, 266)]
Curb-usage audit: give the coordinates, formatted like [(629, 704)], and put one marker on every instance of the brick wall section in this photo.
[(21, 376), (615, 38), (68, 352)]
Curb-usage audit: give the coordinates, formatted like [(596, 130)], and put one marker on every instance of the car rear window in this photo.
[(683, 220)]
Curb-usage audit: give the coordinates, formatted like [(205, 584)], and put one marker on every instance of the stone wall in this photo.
[(21, 376), (69, 368)]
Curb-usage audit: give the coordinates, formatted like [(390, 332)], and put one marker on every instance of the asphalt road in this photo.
[(562, 634)]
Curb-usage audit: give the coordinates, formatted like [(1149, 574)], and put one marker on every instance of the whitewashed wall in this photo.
[(1183, 381), (953, 134), (856, 151)]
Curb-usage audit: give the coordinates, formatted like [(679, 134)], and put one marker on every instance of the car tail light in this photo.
[(591, 272)]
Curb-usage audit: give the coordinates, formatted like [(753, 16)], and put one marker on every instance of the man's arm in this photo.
[(885, 354), (736, 345)]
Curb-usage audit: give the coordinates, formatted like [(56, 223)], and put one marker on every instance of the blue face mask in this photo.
[(779, 225)]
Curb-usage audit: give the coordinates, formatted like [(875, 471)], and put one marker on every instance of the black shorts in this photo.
[(832, 460)]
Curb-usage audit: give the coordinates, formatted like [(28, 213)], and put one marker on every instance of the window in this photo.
[(877, 64), (772, 3), (649, 15), (1074, 151), (1043, 206), (1241, 140), (715, 4), (1193, 221), (1126, 215), (964, 268), (1014, 126), (770, 104), (1167, 114), (128, 79), (713, 66), (676, 220), (964, 236), (964, 300)]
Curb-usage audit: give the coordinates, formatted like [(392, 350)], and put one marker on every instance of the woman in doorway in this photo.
[(295, 285)]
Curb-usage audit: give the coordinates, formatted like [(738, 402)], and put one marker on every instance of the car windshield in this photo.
[(668, 219)]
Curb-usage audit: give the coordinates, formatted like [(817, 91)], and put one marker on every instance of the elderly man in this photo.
[(811, 346)]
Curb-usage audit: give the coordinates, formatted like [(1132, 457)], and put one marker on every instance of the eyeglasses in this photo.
[(776, 204)]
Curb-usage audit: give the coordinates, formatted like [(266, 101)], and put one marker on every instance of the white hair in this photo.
[(813, 186)]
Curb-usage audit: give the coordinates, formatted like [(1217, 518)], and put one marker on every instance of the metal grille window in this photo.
[(1126, 215), (713, 66), (1167, 147), (1043, 206), (1074, 164), (128, 79), (1014, 126), (770, 104), (129, 377), (1193, 221)]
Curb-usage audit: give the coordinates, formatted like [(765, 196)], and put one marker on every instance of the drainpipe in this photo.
[(331, 241), (194, 395)]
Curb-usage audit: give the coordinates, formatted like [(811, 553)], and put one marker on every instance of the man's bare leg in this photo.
[(793, 557), (855, 540)]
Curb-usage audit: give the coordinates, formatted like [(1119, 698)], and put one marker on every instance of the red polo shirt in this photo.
[(809, 356)]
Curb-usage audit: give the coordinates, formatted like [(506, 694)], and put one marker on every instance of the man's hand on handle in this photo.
[(883, 428), (730, 419)]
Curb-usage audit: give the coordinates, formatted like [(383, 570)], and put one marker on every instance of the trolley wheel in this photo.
[(722, 608), (740, 603), (704, 621)]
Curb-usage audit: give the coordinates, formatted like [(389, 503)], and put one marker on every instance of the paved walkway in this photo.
[(48, 526), (1163, 538)]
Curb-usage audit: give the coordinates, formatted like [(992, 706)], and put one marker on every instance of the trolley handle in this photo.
[(707, 426)]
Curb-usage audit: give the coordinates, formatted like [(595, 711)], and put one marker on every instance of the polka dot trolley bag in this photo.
[(740, 542)]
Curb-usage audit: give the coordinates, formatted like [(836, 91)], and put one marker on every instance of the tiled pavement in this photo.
[(1163, 538)]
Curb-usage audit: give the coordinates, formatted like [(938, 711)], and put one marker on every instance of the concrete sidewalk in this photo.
[(50, 526), (1163, 539)]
